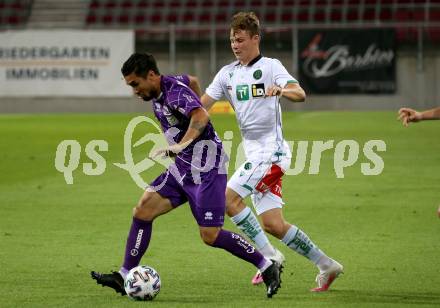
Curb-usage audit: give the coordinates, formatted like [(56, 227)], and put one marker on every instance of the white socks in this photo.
[(249, 225), (297, 240)]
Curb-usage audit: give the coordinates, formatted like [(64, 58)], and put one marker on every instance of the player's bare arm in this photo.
[(408, 115), (207, 101), (194, 84), (199, 120), (292, 91)]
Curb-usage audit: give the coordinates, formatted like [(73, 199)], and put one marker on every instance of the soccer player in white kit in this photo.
[(253, 85)]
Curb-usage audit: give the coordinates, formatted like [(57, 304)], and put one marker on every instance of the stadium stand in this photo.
[(142, 14), (14, 13)]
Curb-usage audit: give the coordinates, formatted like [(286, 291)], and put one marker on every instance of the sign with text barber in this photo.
[(347, 61)]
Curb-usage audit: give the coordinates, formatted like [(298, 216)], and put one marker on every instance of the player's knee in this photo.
[(209, 235), (143, 210), (233, 203), (274, 227)]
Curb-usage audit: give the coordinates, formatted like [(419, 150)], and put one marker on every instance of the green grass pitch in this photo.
[(384, 229)]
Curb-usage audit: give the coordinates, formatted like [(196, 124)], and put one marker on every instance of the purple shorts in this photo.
[(207, 199)]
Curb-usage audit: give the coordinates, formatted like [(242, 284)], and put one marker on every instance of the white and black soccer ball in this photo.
[(142, 283)]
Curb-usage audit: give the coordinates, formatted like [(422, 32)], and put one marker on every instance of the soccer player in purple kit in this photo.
[(179, 111)]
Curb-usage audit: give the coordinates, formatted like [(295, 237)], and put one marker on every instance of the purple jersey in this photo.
[(172, 108)]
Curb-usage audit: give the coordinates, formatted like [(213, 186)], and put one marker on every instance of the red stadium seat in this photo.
[(94, 4), (127, 4), (175, 4), (319, 16), (287, 17), (419, 15), (270, 17), (158, 4), (91, 19), (321, 3), (385, 15), (172, 18), (17, 5), (402, 15), (107, 19), (221, 17), (256, 4), (191, 4), (205, 17), (302, 16), (434, 15), (123, 18), (188, 17), (13, 20), (156, 18), (239, 4), (434, 34), (110, 4), (353, 15), (142, 4), (140, 18), (369, 14), (288, 3), (223, 3), (336, 15), (207, 4)]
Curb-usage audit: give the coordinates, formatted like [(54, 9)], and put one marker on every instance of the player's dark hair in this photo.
[(246, 21), (140, 64)]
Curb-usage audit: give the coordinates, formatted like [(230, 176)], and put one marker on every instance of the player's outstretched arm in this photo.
[(207, 101), (292, 91), (194, 84), (199, 119), (408, 115)]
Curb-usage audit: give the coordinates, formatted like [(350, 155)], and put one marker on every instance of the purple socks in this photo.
[(239, 247), (137, 243)]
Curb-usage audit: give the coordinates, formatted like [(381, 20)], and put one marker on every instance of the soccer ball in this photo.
[(142, 283)]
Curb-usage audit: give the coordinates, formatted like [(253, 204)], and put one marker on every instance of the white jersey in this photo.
[(259, 117)]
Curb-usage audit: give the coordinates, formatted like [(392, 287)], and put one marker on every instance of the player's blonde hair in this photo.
[(246, 21)]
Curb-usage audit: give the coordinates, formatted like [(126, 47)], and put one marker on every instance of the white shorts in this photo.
[(262, 180)]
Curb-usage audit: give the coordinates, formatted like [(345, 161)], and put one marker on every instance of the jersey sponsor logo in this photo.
[(172, 120), (258, 90), (257, 74), (242, 92), (188, 97)]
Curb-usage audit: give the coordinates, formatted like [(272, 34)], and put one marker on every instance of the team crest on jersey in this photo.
[(231, 74), (257, 74), (258, 90)]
